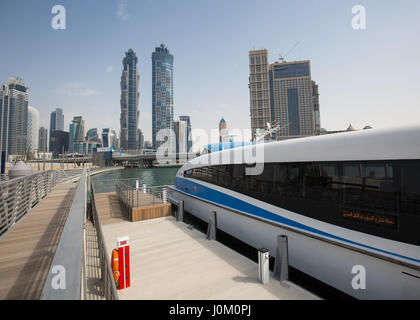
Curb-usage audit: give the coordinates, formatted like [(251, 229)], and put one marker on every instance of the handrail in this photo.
[(18, 196), (65, 278), (110, 290), (135, 198)]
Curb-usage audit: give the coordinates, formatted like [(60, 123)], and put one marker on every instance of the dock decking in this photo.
[(27, 251), (170, 261)]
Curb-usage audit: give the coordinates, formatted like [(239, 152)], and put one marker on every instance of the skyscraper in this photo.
[(33, 128), (109, 138), (181, 134), (162, 93), (315, 101), (59, 142), (223, 132), (57, 120), (282, 94), (129, 102), (141, 139), (189, 137), (13, 117), (76, 134), (92, 135), (43, 140)]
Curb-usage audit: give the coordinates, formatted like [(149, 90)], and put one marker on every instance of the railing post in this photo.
[(164, 195)]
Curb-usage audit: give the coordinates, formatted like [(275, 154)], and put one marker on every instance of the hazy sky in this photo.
[(365, 77)]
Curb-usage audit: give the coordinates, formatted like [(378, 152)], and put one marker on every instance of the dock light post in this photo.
[(137, 184), (144, 188), (263, 265)]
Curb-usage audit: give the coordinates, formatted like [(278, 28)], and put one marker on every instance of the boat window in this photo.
[(410, 188), (379, 190), (352, 183)]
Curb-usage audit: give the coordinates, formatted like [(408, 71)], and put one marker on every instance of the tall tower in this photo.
[(315, 101), (162, 93), (284, 95), (129, 119), (189, 137), (76, 134), (57, 120), (13, 117), (43, 140), (259, 91), (33, 129), (223, 131)]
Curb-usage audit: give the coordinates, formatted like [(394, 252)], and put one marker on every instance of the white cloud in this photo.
[(76, 89), (122, 10), (110, 69)]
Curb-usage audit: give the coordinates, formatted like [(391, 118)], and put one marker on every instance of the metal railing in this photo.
[(143, 196), (66, 277), (110, 290), (19, 195)]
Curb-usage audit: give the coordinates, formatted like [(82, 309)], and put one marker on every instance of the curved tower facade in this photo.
[(129, 120), (162, 93)]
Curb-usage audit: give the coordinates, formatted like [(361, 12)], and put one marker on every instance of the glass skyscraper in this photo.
[(162, 94), (13, 117), (57, 120), (129, 102), (189, 137)]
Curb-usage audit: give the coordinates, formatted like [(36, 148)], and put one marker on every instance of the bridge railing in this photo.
[(110, 290), (66, 277), (19, 195)]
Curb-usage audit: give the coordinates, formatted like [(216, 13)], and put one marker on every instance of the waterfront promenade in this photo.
[(28, 249), (29, 246)]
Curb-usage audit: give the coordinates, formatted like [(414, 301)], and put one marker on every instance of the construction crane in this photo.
[(282, 58)]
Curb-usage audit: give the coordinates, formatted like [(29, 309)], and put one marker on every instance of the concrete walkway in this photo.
[(170, 261)]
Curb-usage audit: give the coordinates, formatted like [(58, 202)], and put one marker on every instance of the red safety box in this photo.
[(124, 261)]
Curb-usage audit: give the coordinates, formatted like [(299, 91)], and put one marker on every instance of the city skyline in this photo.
[(349, 65)]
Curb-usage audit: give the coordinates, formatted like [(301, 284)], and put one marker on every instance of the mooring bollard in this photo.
[(212, 226), (144, 188), (281, 266), (263, 265), (180, 215)]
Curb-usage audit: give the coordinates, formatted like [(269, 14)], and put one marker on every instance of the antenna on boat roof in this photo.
[(271, 129)]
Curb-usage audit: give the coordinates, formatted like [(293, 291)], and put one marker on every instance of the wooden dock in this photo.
[(147, 207), (170, 261), (28, 249)]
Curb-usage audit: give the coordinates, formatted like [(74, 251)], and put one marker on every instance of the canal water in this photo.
[(105, 182)]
